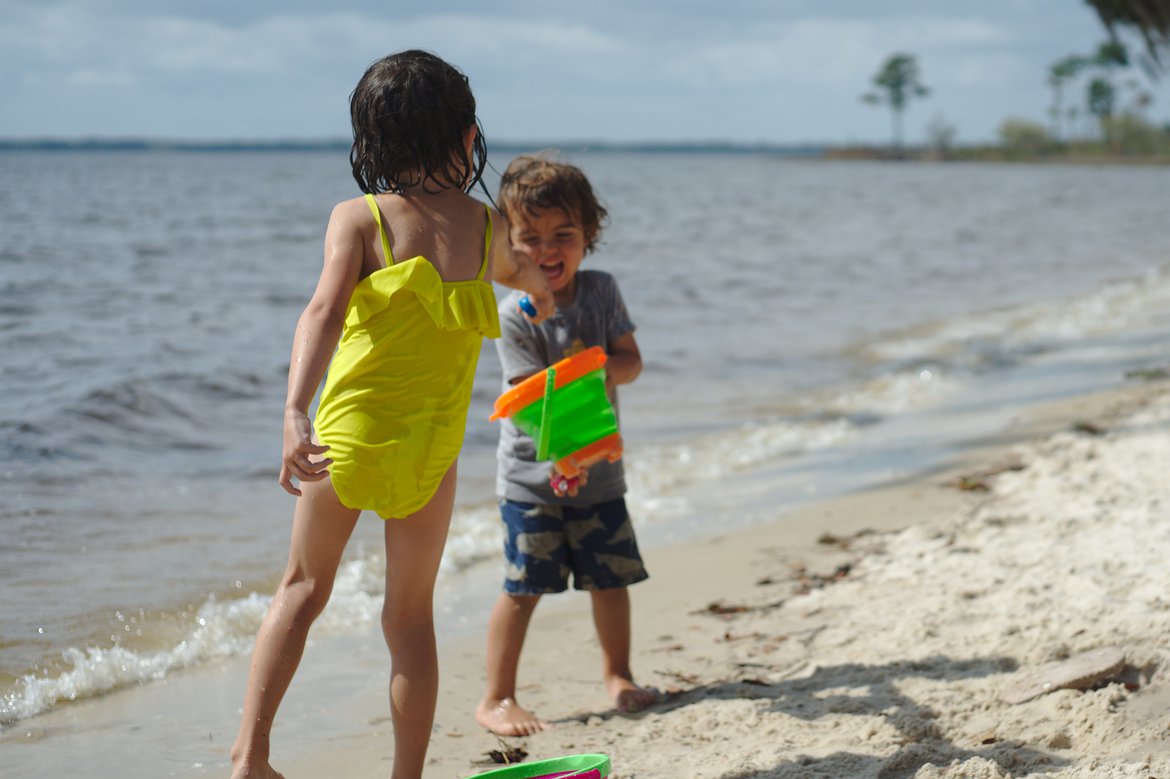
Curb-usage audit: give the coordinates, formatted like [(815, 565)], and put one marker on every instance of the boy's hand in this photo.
[(564, 485)]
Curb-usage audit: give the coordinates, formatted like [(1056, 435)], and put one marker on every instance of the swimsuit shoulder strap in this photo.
[(487, 243), (373, 204)]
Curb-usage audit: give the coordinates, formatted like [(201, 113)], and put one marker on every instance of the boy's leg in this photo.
[(414, 547), (611, 616), (321, 528), (535, 556), (606, 561), (508, 625)]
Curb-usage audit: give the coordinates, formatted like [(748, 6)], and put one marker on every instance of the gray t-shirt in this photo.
[(595, 318)]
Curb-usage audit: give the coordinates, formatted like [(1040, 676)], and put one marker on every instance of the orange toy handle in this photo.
[(532, 389), (608, 448)]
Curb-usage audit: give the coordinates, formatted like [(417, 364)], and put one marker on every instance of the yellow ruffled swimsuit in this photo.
[(394, 408)]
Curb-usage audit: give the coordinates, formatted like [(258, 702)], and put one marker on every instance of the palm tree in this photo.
[(1060, 72), (1110, 55), (1101, 96), (1102, 92), (898, 81)]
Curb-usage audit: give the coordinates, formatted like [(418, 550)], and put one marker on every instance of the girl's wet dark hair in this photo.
[(410, 113)]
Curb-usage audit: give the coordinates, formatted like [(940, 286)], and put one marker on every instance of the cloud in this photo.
[(73, 47), (829, 52), (92, 78), (73, 43), (987, 70)]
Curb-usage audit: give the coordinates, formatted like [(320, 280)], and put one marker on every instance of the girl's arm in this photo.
[(317, 333), (518, 271)]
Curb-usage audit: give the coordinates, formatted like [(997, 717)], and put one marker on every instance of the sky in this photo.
[(738, 71)]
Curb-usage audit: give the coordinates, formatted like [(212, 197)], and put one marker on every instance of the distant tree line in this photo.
[(1112, 97), (1111, 94), (1100, 87)]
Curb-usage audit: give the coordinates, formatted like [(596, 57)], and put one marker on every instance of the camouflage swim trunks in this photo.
[(544, 544)]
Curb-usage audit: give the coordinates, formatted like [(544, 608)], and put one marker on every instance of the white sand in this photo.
[(894, 669)]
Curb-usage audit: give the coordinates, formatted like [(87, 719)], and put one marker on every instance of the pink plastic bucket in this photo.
[(568, 767)]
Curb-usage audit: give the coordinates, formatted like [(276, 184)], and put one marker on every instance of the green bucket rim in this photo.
[(556, 765)]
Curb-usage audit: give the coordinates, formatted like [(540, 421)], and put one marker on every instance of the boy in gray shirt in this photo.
[(555, 219)]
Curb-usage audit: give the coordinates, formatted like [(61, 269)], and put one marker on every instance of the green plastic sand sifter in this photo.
[(566, 411), (568, 767)]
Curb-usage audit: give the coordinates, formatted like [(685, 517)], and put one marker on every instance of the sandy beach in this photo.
[(871, 635), (877, 635)]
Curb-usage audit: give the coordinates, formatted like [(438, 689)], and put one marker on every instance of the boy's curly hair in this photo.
[(538, 182), (410, 113)]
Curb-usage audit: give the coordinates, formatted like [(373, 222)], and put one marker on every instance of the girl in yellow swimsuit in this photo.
[(400, 338)]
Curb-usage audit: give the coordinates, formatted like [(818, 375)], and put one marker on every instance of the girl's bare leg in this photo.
[(414, 547), (321, 528)]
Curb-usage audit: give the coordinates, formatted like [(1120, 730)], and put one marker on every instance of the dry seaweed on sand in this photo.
[(505, 755), (979, 481)]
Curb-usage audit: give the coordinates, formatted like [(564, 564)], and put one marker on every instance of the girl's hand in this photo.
[(298, 450), (516, 270), (531, 312), (542, 301)]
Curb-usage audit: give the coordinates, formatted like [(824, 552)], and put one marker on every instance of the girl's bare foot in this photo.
[(267, 772), (628, 697), (241, 769), (507, 718)]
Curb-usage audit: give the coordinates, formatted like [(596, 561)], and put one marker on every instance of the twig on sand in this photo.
[(720, 609)]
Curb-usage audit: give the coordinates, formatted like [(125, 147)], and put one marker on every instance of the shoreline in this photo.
[(778, 654)]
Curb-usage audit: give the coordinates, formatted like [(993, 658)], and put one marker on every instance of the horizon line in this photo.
[(146, 143)]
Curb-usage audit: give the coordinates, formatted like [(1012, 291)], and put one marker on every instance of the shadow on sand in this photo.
[(865, 691)]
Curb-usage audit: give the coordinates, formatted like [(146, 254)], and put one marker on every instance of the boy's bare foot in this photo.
[(628, 697), (508, 718)]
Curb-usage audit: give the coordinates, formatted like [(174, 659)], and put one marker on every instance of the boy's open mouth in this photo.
[(553, 270)]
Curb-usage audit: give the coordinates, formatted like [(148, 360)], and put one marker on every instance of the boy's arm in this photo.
[(516, 270), (624, 360), (317, 333)]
